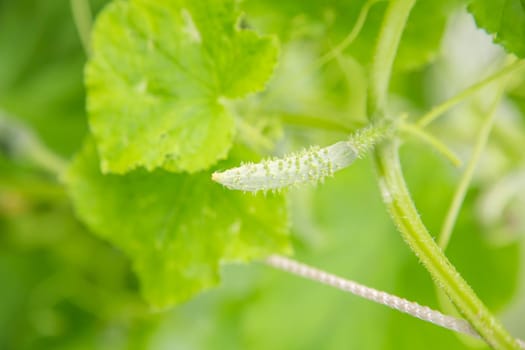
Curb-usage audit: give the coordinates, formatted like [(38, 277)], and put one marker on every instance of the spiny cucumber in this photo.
[(307, 166)]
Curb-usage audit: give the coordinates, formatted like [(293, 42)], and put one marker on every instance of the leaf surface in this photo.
[(176, 228), (158, 76), (504, 20)]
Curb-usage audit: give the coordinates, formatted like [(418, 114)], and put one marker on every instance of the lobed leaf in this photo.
[(328, 22), (159, 72), (504, 20), (176, 228)]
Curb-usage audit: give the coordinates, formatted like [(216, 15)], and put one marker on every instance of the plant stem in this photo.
[(392, 28), (408, 307), (83, 21), (397, 198), (454, 100), (392, 301), (432, 141), (466, 178), (402, 210), (350, 37)]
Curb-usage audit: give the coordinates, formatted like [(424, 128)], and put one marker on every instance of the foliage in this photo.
[(140, 114), (177, 90), (505, 20), (176, 228)]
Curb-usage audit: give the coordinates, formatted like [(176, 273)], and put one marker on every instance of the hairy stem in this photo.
[(392, 301), (402, 210), (397, 198), (466, 178), (408, 307)]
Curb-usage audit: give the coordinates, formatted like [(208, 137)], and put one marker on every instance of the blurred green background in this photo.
[(63, 288)]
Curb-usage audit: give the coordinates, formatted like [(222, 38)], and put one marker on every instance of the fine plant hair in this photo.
[(131, 162), (315, 164), (311, 165)]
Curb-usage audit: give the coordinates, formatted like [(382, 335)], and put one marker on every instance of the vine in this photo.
[(399, 203), (173, 101)]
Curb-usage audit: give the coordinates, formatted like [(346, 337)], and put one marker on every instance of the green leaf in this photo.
[(504, 20), (157, 78), (358, 242), (176, 228)]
